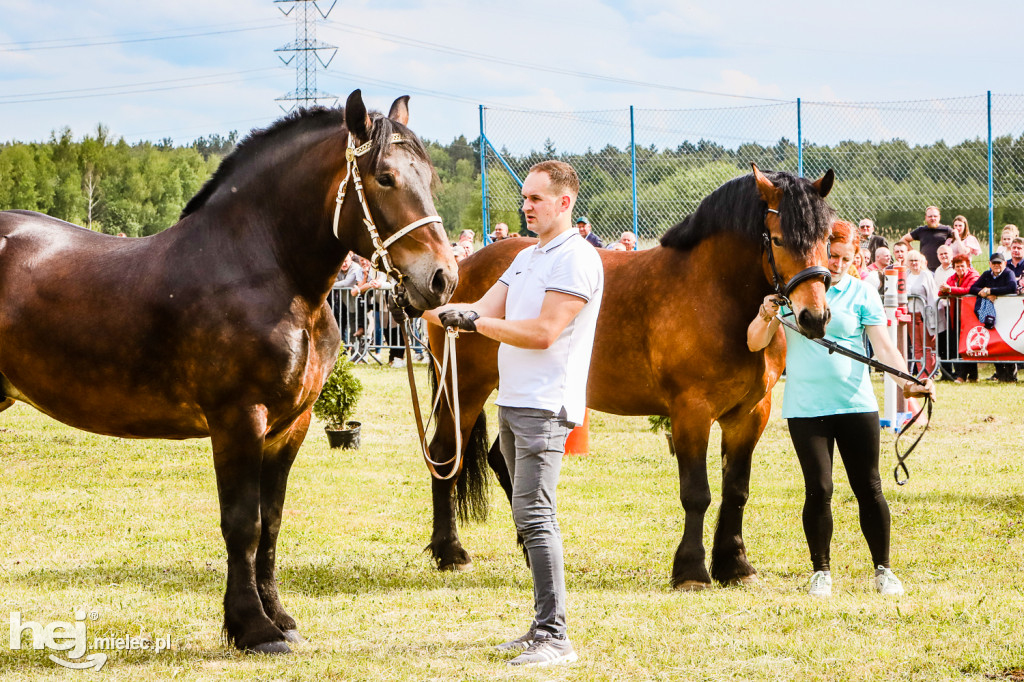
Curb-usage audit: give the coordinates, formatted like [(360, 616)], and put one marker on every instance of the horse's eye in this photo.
[(777, 241), (386, 180)]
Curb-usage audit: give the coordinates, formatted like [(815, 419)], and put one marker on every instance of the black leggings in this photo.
[(857, 436)]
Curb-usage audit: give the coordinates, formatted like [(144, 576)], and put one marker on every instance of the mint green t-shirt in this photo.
[(819, 383)]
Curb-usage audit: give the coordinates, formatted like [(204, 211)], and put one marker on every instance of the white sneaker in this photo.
[(546, 651), (398, 363), (821, 585), (886, 582)]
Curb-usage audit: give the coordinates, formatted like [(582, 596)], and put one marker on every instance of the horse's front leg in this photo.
[(237, 437), (690, 433), (278, 457), (740, 433)]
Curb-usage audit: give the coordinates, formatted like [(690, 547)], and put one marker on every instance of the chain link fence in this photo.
[(892, 159)]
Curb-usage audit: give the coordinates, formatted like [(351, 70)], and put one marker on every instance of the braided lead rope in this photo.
[(451, 398)]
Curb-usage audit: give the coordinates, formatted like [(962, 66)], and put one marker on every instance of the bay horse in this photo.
[(219, 326), (671, 341)]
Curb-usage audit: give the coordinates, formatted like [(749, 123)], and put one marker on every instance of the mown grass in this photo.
[(130, 530)]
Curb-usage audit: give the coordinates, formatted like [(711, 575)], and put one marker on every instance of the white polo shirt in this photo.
[(556, 377)]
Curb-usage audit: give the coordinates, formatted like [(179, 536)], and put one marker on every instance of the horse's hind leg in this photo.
[(237, 451), (277, 462), (690, 431), (740, 434)]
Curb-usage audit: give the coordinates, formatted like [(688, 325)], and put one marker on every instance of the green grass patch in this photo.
[(129, 531)]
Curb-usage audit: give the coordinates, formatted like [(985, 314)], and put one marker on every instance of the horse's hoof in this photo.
[(294, 637), (744, 581), (692, 586), (269, 648), (468, 566)]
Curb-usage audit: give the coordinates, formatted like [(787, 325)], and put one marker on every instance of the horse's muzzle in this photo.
[(813, 326)]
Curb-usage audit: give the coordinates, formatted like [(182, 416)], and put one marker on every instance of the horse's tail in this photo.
[(471, 494), (471, 498)]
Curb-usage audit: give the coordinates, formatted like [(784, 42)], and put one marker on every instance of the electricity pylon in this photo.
[(306, 50)]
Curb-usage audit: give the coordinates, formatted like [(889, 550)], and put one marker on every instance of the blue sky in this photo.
[(120, 63)]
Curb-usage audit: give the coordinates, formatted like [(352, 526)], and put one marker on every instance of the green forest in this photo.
[(111, 186)]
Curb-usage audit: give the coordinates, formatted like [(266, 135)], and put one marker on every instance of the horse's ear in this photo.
[(400, 110), (356, 118), (769, 192), (824, 183)]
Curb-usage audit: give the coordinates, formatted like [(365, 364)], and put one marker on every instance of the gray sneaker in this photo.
[(519, 643), (545, 651)]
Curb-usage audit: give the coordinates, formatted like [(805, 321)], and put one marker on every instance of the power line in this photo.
[(447, 49), (31, 47), (98, 90), (129, 91)]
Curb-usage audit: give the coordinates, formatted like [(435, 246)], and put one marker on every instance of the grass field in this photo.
[(128, 531)]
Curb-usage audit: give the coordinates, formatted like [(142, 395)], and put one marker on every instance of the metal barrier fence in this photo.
[(643, 170), (368, 331)]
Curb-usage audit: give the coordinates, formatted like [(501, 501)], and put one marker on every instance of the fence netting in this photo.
[(892, 159)]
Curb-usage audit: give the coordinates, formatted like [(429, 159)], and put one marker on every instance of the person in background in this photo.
[(941, 276), (865, 259), (1015, 263), (587, 232), (869, 239), (857, 267), (899, 253), (960, 285), (922, 294), (945, 269), (882, 259), (628, 241), (962, 240), (1009, 232), (350, 276), (829, 401), (932, 235), (500, 232), (615, 246), (998, 280)]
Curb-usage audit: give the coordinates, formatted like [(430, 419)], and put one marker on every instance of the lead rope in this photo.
[(901, 459), (451, 398)]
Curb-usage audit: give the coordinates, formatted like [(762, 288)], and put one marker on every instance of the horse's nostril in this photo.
[(438, 284)]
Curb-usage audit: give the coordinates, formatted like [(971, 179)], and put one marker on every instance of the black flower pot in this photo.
[(347, 438)]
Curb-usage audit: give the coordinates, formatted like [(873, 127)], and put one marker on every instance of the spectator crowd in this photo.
[(939, 269)]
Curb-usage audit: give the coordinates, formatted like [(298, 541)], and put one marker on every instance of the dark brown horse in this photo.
[(671, 340), (219, 325)]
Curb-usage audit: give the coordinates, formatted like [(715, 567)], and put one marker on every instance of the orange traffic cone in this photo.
[(578, 442)]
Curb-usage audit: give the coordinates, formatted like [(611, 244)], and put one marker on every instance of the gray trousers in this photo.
[(532, 442)]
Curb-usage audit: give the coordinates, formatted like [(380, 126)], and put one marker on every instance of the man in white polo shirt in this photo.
[(543, 310)]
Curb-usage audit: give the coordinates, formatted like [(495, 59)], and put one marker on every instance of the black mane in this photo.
[(297, 122), (737, 206)]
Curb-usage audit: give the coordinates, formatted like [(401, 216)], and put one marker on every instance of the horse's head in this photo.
[(796, 231), (396, 178)]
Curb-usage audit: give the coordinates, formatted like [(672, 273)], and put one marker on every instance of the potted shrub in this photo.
[(663, 424), (336, 404)]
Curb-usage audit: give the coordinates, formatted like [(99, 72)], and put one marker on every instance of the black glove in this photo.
[(460, 319)]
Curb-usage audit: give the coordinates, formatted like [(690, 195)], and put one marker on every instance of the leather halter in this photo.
[(783, 290), (380, 248)]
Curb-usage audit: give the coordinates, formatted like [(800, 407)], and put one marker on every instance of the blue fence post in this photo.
[(799, 141), (632, 156), (991, 194), (483, 180)]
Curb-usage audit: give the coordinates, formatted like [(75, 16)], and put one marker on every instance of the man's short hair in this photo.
[(563, 176), (962, 258), (1017, 240)]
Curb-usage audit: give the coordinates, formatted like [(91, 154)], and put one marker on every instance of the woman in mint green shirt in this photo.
[(829, 401)]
